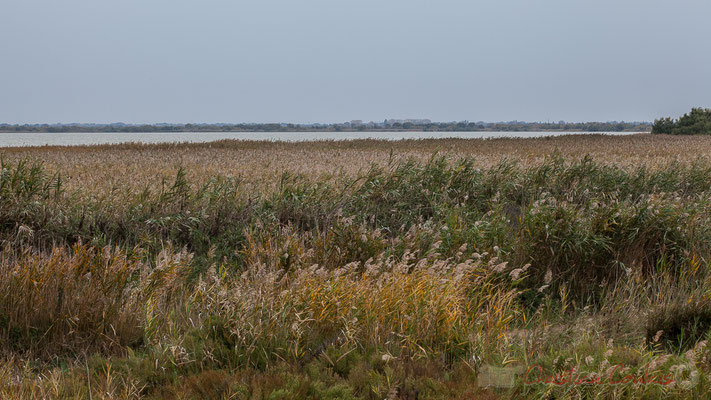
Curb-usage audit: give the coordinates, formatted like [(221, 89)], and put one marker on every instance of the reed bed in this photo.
[(359, 269), (107, 168)]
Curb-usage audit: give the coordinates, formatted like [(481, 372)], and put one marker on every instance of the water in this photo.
[(72, 139)]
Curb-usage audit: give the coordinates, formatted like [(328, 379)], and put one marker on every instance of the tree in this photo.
[(696, 122), (663, 126)]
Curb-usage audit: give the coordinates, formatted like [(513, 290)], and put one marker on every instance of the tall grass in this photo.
[(403, 280)]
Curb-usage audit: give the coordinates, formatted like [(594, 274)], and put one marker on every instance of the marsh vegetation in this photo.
[(365, 269)]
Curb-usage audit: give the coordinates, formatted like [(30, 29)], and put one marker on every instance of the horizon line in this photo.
[(363, 122)]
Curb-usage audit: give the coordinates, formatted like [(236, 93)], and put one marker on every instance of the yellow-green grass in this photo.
[(364, 269)]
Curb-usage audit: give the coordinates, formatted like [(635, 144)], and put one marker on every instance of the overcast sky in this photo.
[(142, 61)]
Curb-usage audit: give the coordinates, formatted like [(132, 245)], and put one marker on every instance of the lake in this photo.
[(72, 139)]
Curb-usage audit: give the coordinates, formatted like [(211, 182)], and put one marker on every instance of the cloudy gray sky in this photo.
[(335, 60)]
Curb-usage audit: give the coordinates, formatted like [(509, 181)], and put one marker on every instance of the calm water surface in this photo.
[(72, 139)]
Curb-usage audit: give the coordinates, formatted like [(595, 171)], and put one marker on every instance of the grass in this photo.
[(402, 273)]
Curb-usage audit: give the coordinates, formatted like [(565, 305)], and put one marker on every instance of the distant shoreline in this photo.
[(464, 126), (336, 131)]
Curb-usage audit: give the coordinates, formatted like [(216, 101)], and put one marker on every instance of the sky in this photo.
[(151, 61)]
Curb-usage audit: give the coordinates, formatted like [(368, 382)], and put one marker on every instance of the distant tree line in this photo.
[(514, 126), (696, 122), (539, 126)]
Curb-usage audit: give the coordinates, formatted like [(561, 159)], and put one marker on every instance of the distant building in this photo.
[(411, 121)]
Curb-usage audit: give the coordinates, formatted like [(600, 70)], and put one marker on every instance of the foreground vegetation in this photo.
[(411, 278)]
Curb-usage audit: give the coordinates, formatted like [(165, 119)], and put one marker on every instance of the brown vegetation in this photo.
[(366, 269)]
